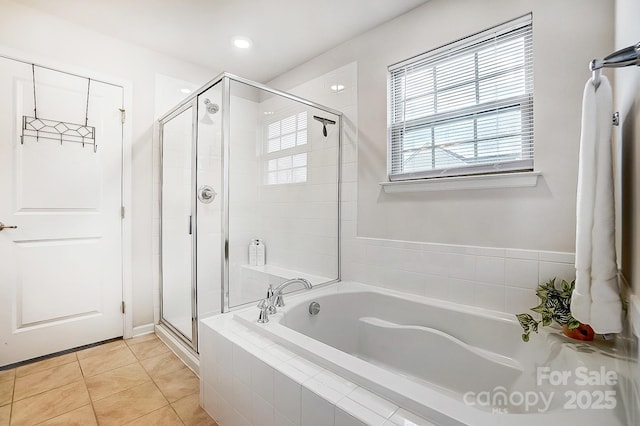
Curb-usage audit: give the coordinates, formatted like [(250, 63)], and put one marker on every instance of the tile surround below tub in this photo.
[(302, 393)]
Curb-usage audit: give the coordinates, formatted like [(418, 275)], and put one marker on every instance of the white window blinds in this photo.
[(465, 108)]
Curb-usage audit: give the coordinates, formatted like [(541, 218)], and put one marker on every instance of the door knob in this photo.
[(206, 194), (3, 226)]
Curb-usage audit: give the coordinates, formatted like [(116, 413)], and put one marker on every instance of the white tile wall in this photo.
[(297, 222), (406, 418), (315, 410), (262, 413), (286, 398), (490, 278), (344, 419)]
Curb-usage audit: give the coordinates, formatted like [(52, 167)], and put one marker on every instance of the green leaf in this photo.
[(542, 293), (525, 320), (541, 309), (573, 324), (525, 337), (546, 321), (567, 289), (550, 285)]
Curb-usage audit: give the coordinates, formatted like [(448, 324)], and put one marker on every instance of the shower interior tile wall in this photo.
[(209, 216), (243, 188), (291, 219), (500, 279)]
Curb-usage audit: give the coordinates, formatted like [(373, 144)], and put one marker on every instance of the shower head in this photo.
[(324, 122), (211, 107)]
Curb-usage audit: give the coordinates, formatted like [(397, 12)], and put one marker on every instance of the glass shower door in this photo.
[(177, 302), (283, 176)]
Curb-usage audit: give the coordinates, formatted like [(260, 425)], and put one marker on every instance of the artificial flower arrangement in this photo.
[(555, 305)]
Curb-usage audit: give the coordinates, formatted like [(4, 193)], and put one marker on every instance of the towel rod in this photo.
[(621, 58)]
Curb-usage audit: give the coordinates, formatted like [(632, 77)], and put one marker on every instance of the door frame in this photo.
[(126, 186), (191, 343)]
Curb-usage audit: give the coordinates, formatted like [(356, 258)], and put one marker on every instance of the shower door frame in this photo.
[(226, 146), (192, 101), (192, 343)]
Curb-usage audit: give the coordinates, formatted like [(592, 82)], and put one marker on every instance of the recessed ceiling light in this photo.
[(185, 91), (337, 87), (242, 42)]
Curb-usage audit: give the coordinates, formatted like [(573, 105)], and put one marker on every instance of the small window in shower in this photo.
[(285, 160), (287, 169)]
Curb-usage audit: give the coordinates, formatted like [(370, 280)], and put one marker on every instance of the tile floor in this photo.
[(125, 382)]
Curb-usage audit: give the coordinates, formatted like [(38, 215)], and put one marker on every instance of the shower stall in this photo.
[(249, 198)]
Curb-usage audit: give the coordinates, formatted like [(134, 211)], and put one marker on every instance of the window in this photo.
[(465, 108), (286, 157), (287, 169)]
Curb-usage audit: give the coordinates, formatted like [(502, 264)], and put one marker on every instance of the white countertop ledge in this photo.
[(498, 180)]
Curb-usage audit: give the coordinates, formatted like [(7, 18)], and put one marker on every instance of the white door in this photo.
[(61, 268)]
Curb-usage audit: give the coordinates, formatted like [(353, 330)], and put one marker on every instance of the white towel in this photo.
[(596, 298)]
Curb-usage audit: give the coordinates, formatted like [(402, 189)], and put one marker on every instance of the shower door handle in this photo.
[(206, 194), (3, 226)]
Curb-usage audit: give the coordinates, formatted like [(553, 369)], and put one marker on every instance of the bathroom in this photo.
[(484, 247)]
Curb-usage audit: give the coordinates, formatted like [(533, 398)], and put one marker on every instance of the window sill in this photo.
[(501, 180)]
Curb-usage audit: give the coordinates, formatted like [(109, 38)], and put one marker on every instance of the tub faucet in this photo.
[(277, 299)]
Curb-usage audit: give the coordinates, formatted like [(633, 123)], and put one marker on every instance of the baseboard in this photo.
[(185, 355), (141, 330)]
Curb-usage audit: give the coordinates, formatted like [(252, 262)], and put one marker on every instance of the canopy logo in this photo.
[(499, 400), (580, 388)]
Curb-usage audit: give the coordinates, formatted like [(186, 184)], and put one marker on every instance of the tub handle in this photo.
[(263, 316), (271, 306)]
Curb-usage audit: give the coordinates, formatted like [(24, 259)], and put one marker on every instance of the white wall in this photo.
[(33, 34), (488, 277), (488, 248), (627, 102), (567, 35)]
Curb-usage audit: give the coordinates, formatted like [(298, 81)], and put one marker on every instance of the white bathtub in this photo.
[(448, 363)]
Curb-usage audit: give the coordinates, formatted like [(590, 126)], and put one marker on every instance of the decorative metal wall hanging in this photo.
[(61, 131)]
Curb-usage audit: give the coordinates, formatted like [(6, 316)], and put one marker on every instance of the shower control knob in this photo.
[(206, 194)]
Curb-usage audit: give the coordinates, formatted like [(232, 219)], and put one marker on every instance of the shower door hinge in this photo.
[(122, 212), (122, 307), (123, 114)]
